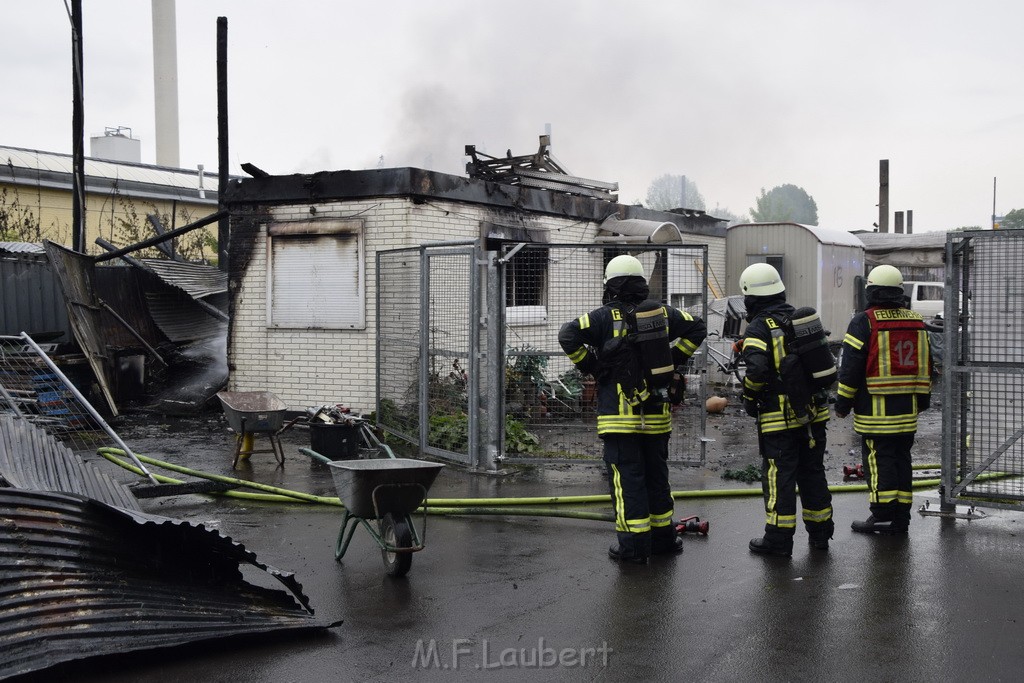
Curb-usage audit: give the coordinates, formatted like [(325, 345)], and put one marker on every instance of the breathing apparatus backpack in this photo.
[(809, 341), (639, 357), (808, 367)]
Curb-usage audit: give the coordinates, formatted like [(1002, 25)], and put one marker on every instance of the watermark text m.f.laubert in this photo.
[(467, 653)]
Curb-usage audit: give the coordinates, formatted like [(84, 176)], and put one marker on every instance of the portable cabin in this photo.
[(820, 267)]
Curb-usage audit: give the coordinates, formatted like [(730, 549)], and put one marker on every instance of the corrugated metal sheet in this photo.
[(75, 272), (181, 319), (120, 287), (195, 278), (33, 460), (84, 572), (80, 579), (31, 299), (22, 248)]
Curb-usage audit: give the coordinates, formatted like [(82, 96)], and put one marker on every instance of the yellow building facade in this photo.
[(36, 202)]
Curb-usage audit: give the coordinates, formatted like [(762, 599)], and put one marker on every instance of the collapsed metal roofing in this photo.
[(922, 249), (196, 279), (32, 460), (83, 577), (22, 248)]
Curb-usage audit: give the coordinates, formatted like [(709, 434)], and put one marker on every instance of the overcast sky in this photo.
[(738, 95)]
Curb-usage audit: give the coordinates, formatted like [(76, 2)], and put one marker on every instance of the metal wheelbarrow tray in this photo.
[(373, 488), (388, 491), (254, 412)]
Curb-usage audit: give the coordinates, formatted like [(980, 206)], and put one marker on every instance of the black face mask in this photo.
[(756, 304), (883, 296), (628, 289)]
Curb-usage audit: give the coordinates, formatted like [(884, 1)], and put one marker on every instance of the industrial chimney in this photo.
[(165, 81)]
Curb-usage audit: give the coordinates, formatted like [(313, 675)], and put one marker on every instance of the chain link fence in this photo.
[(550, 407), (982, 367), (468, 356), (35, 389)]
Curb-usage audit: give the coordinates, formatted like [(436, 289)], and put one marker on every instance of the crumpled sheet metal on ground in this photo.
[(81, 578), (31, 459)]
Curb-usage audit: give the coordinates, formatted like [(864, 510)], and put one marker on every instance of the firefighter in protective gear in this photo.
[(633, 420), (792, 447), (885, 378)]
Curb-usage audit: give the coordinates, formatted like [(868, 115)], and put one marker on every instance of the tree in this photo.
[(17, 222), (1013, 220), (734, 219), (785, 204), (673, 192)]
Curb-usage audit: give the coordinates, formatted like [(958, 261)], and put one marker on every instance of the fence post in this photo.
[(493, 402)]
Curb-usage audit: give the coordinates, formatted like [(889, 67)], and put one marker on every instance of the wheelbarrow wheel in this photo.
[(396, 533)]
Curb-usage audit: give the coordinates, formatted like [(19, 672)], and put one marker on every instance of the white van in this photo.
[(926, 298)]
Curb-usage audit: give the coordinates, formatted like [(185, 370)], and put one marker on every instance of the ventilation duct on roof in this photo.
[(637, 230)]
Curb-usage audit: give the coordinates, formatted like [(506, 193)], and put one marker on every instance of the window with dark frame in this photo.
[(526, 278)]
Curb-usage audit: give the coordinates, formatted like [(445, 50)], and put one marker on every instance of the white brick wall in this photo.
[(314, 367)]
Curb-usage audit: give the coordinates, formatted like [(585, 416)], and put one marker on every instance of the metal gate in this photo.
[(427, 305), (982, 365)]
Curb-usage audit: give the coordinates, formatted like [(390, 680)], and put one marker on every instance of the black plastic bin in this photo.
[(335, 441)]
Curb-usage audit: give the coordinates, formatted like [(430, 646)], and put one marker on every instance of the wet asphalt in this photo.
[(504, 598)]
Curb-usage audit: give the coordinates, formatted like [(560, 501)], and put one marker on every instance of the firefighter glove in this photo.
[(750, 405), (589, 364), (843, 406), (924, 402), (677, 386)]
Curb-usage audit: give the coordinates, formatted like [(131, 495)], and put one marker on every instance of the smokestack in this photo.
[(899, 222), (910, 221), (883, 195), (165, 83)]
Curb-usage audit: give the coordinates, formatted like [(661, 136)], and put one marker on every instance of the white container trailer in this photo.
[(820, 267)]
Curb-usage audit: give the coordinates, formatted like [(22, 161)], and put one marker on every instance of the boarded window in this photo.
[(316, 275)]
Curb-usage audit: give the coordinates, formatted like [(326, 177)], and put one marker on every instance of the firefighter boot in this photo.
[(903, 514), (819, 535), (620, 554), (775, 543), (631, 548), (665, 541), (873, 525)]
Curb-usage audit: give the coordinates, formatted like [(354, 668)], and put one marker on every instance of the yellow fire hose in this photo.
[(529, 506)]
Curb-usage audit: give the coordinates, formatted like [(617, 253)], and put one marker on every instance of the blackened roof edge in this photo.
[(420, 184)]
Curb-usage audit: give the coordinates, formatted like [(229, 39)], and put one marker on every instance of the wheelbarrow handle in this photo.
[(316, 456)]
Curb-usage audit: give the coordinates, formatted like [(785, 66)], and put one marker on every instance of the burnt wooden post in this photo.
[(223, 225)]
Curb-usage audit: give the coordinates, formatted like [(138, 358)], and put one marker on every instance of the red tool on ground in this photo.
[(853, 471), (692, 525)]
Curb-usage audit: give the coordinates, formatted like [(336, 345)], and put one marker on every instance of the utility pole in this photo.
[(223, 226), (993, 203), (77, 132), (883, 195)]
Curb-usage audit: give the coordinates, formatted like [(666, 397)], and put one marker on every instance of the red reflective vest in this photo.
[(898, 353)]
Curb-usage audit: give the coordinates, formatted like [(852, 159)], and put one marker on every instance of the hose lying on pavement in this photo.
[(532, 506)]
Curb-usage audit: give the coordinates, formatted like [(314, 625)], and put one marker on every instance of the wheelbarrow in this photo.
[(387, 492), (250, 413)]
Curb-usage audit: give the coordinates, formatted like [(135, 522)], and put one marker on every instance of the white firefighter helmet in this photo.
[(761, 279), (623, 265), (885, 276)]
